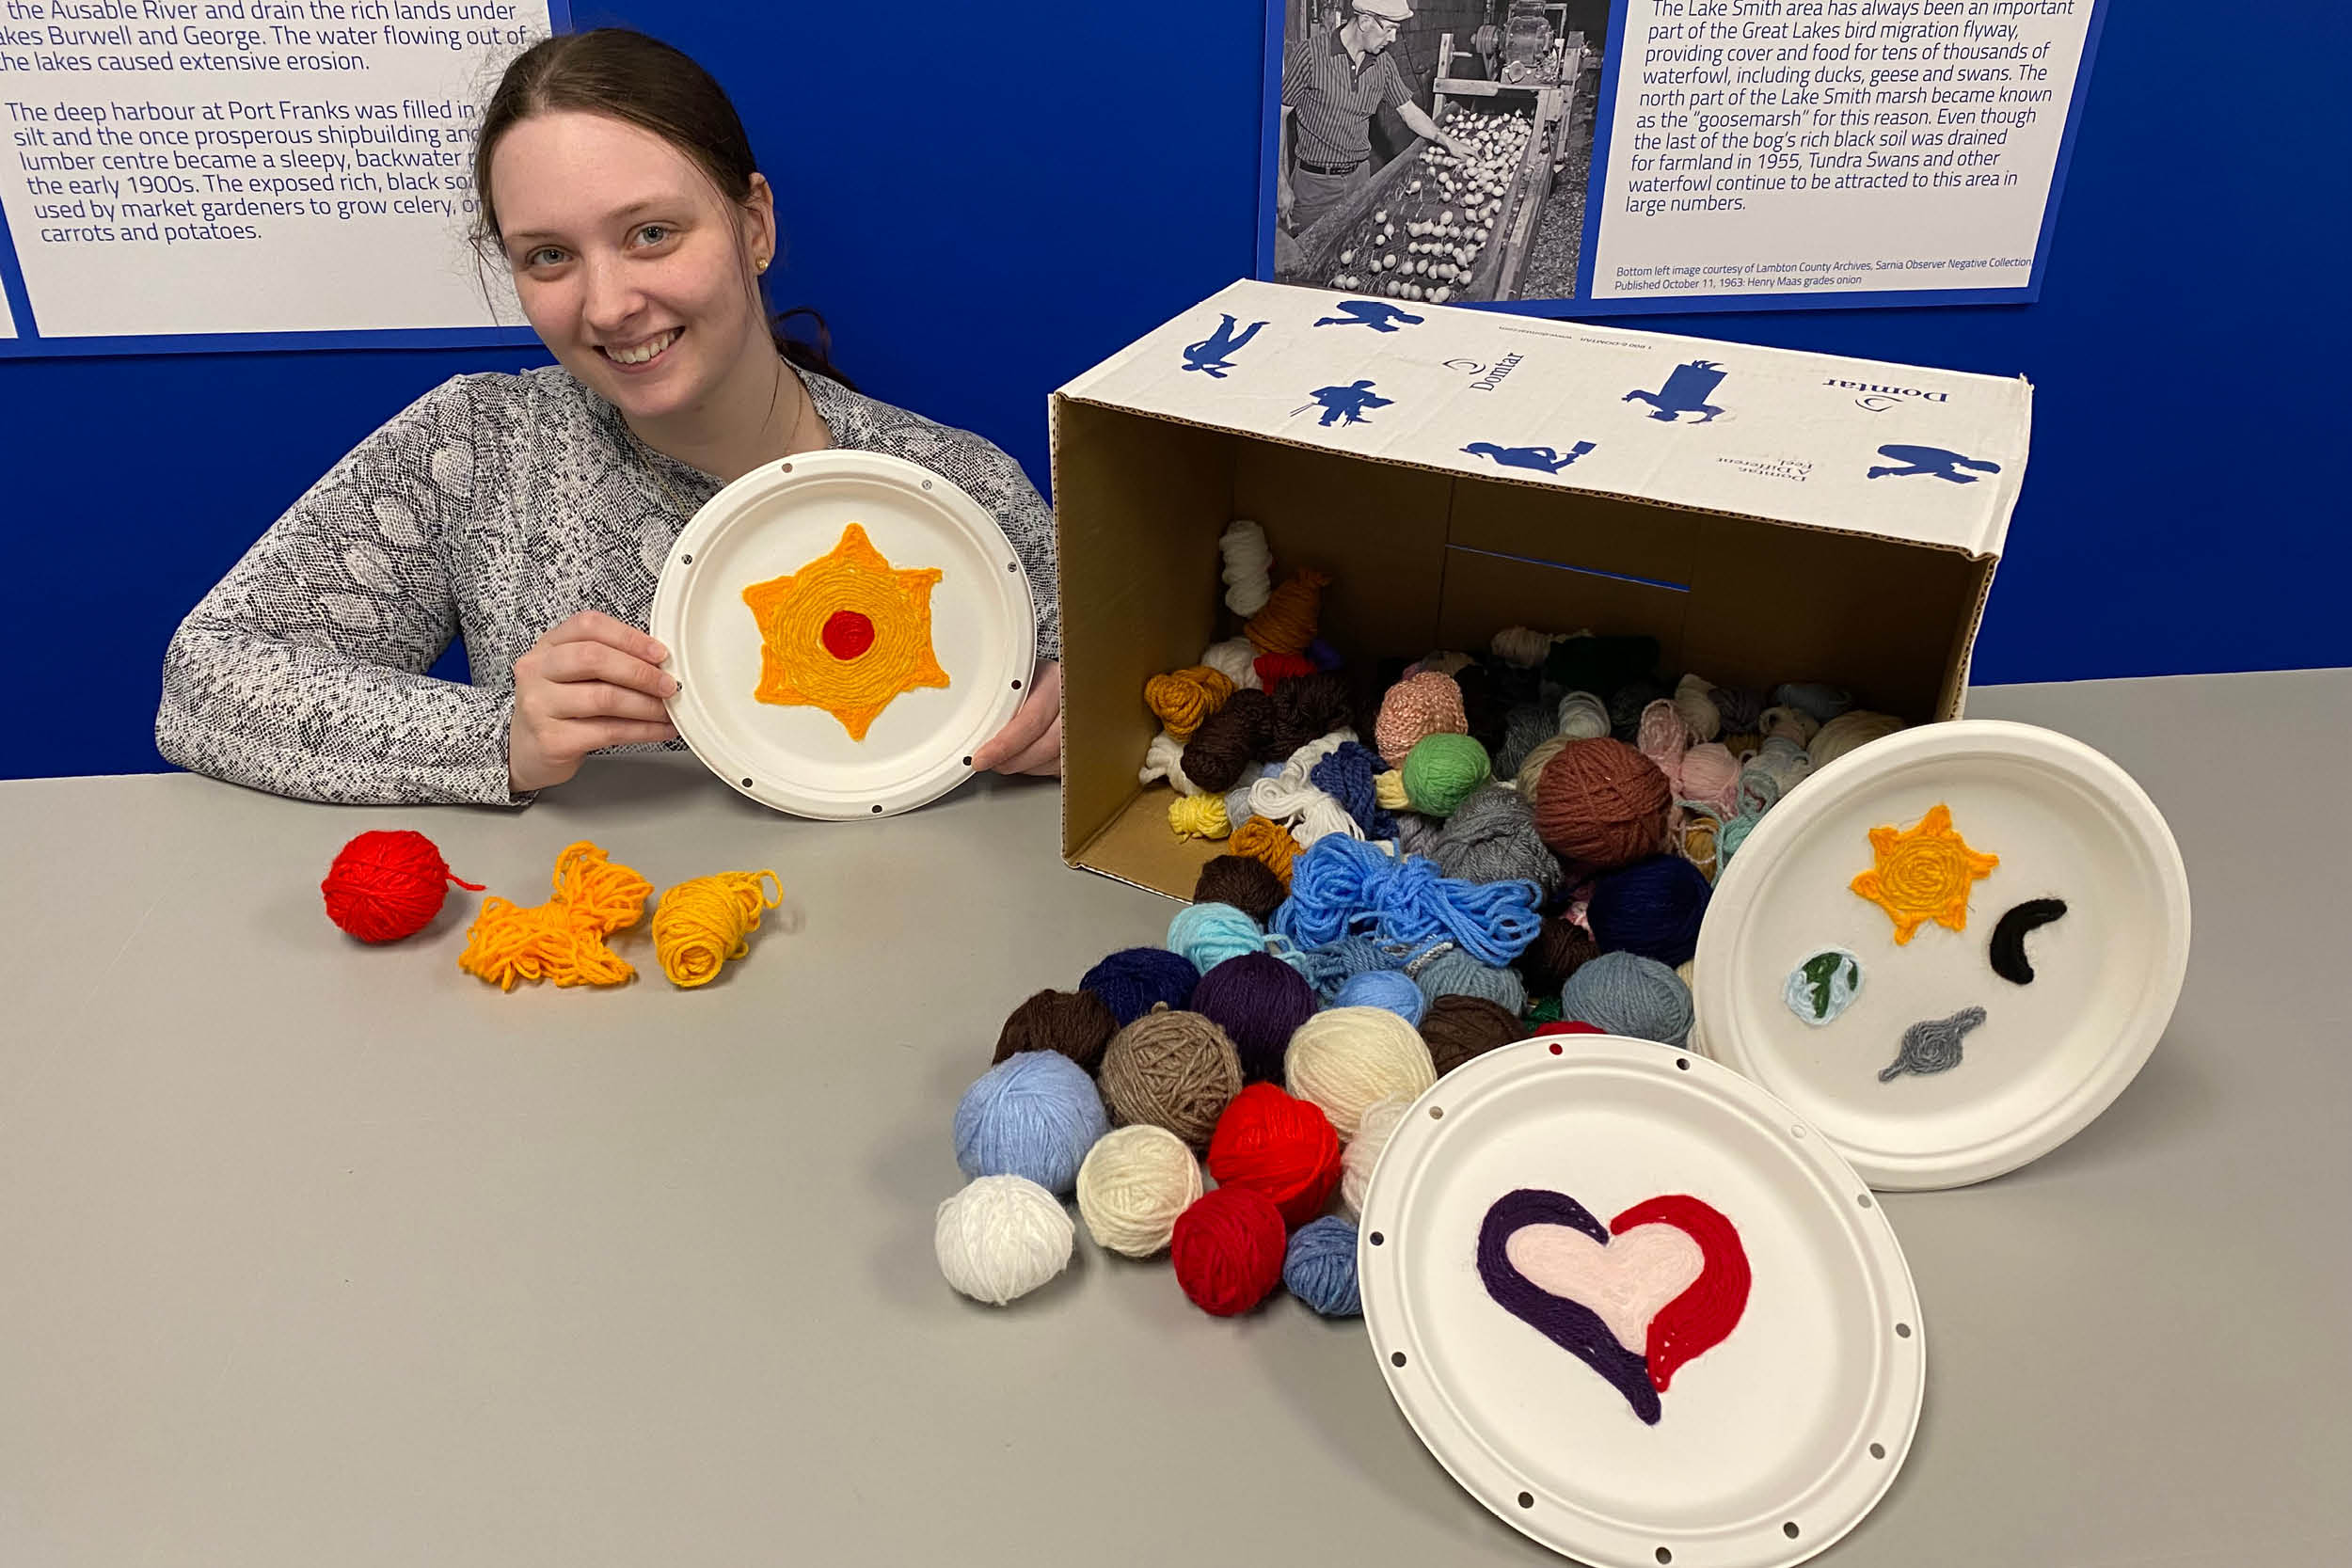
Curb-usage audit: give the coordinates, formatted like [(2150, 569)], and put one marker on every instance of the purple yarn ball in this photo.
[(1653, 908), (1260, 1002), (1132, 980)]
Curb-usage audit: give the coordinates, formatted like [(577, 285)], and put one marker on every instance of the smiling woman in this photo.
[(530, 513)]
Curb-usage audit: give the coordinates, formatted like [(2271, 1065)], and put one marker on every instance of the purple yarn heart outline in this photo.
[(1572, 1326)]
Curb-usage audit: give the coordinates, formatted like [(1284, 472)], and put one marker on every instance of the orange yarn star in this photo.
[(847, 633), (1923, 873)]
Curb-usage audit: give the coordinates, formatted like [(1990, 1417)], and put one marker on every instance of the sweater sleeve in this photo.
[(989, 475), (303, 672)]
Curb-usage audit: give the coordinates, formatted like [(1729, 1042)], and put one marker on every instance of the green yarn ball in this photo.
[(1442, 771)]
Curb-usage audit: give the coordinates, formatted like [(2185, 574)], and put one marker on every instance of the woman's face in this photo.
[(630, 266)]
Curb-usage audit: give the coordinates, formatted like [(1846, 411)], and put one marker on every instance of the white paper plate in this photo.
[(776, 521), (1771, 1445), (2050, 1055)]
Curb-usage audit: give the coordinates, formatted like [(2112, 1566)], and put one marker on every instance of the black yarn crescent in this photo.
[(2008, 936)]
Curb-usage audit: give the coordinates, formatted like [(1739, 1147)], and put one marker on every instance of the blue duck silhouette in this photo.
[(1345, 403), (1215, 352), (1932, 460), (1686, 391), (1373, 313), (1551, 462)]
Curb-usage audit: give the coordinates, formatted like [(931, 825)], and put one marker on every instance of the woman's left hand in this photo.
[(1032, 742)]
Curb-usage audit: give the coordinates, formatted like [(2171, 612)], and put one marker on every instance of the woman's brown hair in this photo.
[(628, 76)]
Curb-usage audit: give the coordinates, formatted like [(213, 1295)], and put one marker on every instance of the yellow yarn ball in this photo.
[(1199, 816)]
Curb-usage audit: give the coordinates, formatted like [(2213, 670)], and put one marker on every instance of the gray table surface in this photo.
[(314, 1255)]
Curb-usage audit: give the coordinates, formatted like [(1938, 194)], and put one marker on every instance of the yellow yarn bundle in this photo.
[(1199, 816), (561, 939), (1183, 699), (704, 923)]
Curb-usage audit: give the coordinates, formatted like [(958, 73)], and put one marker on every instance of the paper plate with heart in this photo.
[(1638, 1309)]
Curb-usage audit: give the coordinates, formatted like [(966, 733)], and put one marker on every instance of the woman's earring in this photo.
[(763, 264)]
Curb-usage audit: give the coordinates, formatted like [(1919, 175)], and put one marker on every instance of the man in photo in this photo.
[(1334, 81)]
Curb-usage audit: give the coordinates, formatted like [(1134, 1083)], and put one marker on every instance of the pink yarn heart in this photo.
[(1624, 1284)]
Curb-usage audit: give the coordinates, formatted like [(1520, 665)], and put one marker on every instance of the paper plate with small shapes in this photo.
[(846, 628), (1950, 950), (1638, 1308)]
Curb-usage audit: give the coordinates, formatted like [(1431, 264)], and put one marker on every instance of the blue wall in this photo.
[(985, 203)]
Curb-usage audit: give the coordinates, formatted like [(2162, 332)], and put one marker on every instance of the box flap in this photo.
[(1928, 457)]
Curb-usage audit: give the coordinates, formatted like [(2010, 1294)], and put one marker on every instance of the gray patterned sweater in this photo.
[(492, 508)]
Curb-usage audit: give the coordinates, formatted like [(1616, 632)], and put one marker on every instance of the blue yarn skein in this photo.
[(1344, 886), (1034, 1114), (1208, 934), (1384, 987), (1813, 698), (1628, 994), (1653, 908), (1346, 776), (1133, 979), (1456, 974), (1320, 1267)]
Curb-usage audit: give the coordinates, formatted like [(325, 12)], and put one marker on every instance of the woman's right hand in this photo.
[(590, 683)]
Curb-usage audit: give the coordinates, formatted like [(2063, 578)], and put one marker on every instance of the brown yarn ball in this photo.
[(1460, 1027), (1172, 1070), (1309, 707), (1229, 741), (1603, 803), (1077, 1023), (1559, 950), (1249, 885)]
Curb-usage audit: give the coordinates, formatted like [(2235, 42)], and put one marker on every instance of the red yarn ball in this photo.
[(1227, 1249), (385, 886), (1281, 1145), (1570, 1026)]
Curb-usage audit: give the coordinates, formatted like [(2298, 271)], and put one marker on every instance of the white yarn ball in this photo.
[(1695, 702), (1164, 759), (1583, 716), (1002, 1237), (1849, 731), (1236, 659), (1521, 645), (1248, 567), (1345, 1058), (1381, 1119), (1135, 1182)]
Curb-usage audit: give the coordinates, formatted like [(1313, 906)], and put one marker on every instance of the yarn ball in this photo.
[(1269, 842), (1601, 665), (1208, 934), (1172, 1070), (1695, 841), (1229, 741), (1627, 707), (1134, 1181), (1544, 1009), (1307, 709), (1525, 727), (1733, 834), (1231, 660), (1281, 1146), (1739, 708), (1460, 1027), (1199, 816), (1694, 704), (1272, 670), (1164, 759), (1710, 776), (1181, 699), (1793, 723), (1624, 993), (1603, 803), (1441, 771), (1285, 624), (1582, 717), (1237, 807), (1532, 771), (1652, 907), (1001, 1238), (1569, 1026), (1416, 707), (1132, 980), (1227, 1249), (1259, 1001), (1847, 731), (1823, 703), (1458, 973), (1034, 1114), (1661, 736), (1077, 1024), (1243, 883), (1362, 1153), (1383, 988), (1320, 1268), (1491, 837), (1345, 1058), (1559, 950), (1248, 566), (387, 884), (1521, 646)]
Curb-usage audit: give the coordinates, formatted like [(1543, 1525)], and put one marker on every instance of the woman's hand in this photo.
[(1032, 742), (590, 683)]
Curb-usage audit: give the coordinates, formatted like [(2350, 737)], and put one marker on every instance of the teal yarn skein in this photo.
[(1442, 771), (1627, 994), (1033, 1115), (1458, 973), (1319, 1268), (1208, 934)]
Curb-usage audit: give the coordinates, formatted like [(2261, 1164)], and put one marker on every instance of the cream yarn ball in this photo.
[(1345, 1058), (1379, 1123), (1135, 1182), (1002, 1237)]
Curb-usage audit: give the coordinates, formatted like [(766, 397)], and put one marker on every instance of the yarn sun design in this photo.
[(1663, 1283), (1923, 873), (847, 633)]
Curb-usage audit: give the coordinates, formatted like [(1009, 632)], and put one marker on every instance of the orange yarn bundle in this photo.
[(1288, 622), (702, 924), (561, 939), (1267, 842), (1182, 701)]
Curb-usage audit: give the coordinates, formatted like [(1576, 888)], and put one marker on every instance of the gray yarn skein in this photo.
[(1524, 728), (1491, 837), (1458, 973), (1625, 993), (1416, 834)]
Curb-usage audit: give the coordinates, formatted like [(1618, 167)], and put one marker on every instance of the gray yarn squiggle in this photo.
[(1932, 1046)]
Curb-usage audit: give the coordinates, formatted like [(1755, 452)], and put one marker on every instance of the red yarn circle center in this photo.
[(847, 634)]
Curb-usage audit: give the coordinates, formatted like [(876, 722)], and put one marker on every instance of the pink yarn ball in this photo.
[(1662, 737), (1415, 708), (1711, 775)]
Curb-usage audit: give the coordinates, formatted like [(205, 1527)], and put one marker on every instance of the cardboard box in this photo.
[(1767, 515)]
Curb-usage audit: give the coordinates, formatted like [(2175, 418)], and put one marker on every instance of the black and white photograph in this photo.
[(1436, 149)]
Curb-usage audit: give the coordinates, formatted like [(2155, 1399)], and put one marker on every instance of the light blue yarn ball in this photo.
[(1320, 1267), (1033, 1115), (1384, 987), (1209, 934), (1628, 994), (1456, 974)]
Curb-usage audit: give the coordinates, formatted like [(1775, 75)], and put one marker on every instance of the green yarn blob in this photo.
[(1442, 771)]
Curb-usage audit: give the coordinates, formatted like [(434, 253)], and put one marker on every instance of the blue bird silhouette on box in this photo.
[(1686, 391), (1545, 458), (1374, 313), (1932, 460), (1215, 352), (1345, 403)]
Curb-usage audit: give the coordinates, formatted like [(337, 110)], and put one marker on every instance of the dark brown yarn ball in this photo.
[(1603, 803), (1172, 1070), (1308, 708), (1229, 741), (1077, 1023), (1249, 885), (1559, 950), (1460, 1027)]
